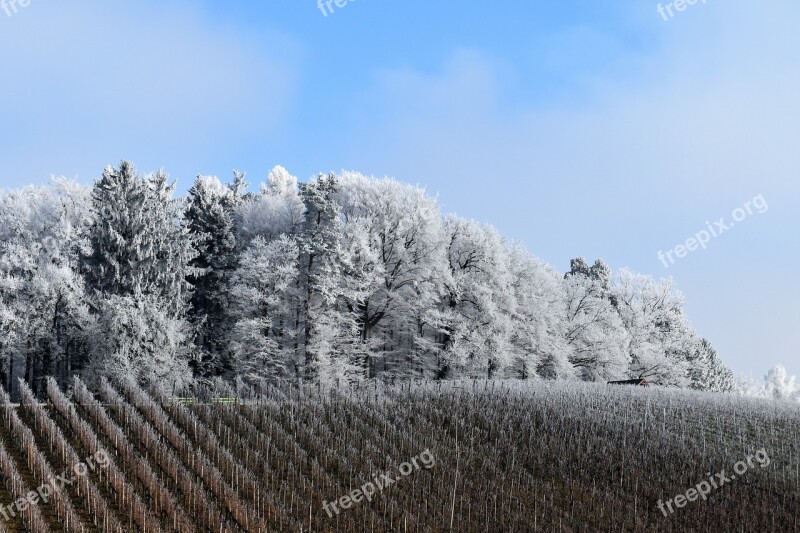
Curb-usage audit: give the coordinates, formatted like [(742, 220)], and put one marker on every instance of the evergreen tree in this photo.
[(707, 371), (319, 273), (578, 267), (139, 242), (210, 216), (122, 256), (140, 259), (601, 274)]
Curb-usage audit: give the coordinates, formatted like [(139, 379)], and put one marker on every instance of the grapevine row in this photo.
[(126, 497), (38, 464), (160, 497)]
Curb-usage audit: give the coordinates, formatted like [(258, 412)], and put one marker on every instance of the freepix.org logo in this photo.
[(12, 7), (715, 482), (43, 493), (326, 6), (677, 5), (382, 482), (702, 238)]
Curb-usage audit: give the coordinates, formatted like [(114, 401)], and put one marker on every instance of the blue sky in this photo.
[(576, 127)]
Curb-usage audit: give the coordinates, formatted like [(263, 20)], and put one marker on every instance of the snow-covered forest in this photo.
[(340, 279)]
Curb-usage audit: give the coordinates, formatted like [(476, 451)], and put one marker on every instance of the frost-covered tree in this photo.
[(359, 264), (340, 279), (259, 293), (539, 336), (402, 269), (479, 302), (707, 371), (173, 245), (138, 265), (578, 266), (319, 274), (140, 244), (748, 386), (43, 310), (777, 384), (595, 333), (660, 338), (210, 215), (138, 338), (780, 385), (277, 210)]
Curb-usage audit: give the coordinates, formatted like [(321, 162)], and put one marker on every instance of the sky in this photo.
[(575, 127)]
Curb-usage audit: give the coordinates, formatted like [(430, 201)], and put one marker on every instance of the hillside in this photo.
[(465, 456)]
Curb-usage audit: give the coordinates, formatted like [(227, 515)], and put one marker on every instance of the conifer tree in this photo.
[(210, 216), (140, 258), (319, 243)]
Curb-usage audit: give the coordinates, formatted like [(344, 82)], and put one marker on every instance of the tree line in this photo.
[(339, 279)]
